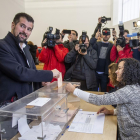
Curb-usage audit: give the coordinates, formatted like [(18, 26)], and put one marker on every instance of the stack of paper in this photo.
[(50, 132), (88, 122)]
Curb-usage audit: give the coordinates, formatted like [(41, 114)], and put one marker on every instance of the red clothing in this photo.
[(37, 53), (54, 58), (115, 56)]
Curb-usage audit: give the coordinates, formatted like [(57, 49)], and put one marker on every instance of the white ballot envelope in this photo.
[(60, 80)]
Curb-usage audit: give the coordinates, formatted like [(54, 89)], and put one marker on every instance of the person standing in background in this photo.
[(53, 57)]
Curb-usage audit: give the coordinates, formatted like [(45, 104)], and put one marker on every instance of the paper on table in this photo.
[(50, 131), (23, 127), (39, 101), (88, 122), (60, 80)]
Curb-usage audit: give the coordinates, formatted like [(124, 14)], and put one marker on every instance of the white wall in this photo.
[(66, 14), (8, 9)]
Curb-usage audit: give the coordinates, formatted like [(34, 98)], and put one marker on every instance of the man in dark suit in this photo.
[(18, 74)]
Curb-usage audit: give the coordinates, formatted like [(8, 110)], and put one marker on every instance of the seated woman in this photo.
[(127, 98)]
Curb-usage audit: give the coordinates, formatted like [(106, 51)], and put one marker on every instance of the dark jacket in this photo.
[(136, 54), (33, 49), (16, 76), (92, 41), (89, 63), (70, 46), (97, 46)]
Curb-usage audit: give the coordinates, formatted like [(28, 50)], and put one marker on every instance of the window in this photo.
[(125, 10), (130, 9)]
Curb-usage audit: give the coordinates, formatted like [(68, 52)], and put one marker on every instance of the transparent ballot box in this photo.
[(41, 115)]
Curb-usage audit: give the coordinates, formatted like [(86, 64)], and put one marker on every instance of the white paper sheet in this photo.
[(15, 119), (16, 116), (88, 122), (60, 80), (23, 127), (50, 132), (39, 101)]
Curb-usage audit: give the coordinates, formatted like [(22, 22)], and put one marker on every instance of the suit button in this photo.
[(29, 83)]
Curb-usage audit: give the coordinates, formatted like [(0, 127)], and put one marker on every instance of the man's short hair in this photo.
[(24, 15), (106, 29), (80, 38), (75, 32), (126, 31), (62, 35)]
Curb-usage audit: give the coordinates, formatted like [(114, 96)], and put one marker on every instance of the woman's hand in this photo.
[(70, 87), (105, 111)]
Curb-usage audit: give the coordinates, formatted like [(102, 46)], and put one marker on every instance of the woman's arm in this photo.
[(121, 96)]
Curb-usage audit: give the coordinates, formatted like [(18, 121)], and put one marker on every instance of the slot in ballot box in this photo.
[(41, 115)]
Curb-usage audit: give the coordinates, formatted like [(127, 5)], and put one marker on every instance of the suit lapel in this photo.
[(28, 55), (11, 40)]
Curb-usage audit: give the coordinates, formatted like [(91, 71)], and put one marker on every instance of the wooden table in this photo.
[(40, 66), (110, 125)]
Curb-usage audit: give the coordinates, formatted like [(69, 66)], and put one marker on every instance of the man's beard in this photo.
[(20, 39), (105, 39)]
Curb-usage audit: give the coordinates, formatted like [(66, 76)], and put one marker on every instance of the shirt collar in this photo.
[(23, 46), (105, 42)]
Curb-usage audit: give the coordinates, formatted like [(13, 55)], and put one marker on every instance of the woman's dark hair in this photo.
[(24, 15), (131, 72), (80, 38), (126, 31)]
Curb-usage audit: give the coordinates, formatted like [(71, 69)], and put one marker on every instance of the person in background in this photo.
[(118, 52), (112, 76), (103, 51), (96, 36), (136, 51), (53, 57), (127, 98), (70, 44), (83, 65), (72, 40), (33, 49)]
